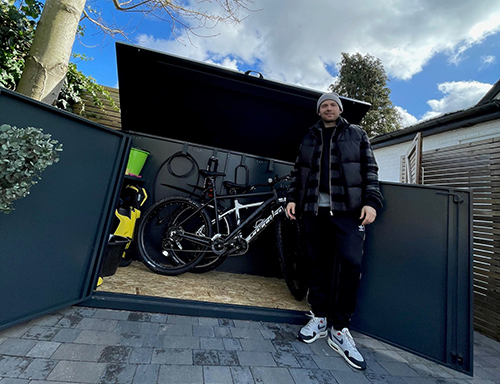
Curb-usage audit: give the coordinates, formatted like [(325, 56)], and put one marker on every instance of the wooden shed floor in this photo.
[(213, 286)]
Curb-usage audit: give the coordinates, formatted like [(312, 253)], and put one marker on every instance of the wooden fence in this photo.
[(476, 166), (108, 115)]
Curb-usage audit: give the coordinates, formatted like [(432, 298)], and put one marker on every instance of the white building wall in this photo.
[(389, 158), (389, 161)]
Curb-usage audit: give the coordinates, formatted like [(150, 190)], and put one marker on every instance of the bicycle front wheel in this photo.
[(290, 255), (172, 236)]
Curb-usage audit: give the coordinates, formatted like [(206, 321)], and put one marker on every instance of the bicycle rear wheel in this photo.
[(160, 240), (290, 255)]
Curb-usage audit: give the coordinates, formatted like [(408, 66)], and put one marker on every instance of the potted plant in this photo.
[(24, 154)]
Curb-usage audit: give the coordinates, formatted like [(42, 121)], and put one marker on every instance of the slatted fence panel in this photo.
[(477, 166), (107, 115), (402, 168), (411, 176), (414, 175), (411, 162)]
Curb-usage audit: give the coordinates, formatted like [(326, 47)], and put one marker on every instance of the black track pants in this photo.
[(334, 246)]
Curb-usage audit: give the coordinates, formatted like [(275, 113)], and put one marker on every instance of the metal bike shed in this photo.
[(417, 268)]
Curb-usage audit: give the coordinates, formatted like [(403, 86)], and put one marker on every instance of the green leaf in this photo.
[(26, 152)]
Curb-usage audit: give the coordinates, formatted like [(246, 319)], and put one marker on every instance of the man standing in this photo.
[(335, 189)]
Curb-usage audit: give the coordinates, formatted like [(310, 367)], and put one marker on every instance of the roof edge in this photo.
[(460, 119)]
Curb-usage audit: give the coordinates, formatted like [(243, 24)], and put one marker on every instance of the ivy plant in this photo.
[(76, 83), (17, 29), (24, 154)]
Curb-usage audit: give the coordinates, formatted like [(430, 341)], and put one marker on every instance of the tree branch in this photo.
[(120, 6), (107, 29)]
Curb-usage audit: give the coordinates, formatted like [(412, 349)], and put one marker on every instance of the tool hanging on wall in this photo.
[(271, 166), (242, 168), (182, 154)]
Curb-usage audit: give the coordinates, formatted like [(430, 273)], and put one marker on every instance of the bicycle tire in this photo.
[(160, 250), (290, 255)]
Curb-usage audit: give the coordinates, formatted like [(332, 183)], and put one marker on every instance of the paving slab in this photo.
[(102, 346)]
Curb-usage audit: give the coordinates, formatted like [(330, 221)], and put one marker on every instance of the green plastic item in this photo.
[(136, 161)]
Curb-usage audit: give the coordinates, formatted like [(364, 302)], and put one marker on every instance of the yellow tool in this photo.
[(127, 217)]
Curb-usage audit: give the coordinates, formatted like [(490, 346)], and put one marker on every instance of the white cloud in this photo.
[(294, 41), (458, 95), (227, 63), (486, 61), (479, 31), (407, 119)]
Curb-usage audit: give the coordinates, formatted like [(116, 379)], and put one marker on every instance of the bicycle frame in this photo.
[(212, 203), (263, 205)]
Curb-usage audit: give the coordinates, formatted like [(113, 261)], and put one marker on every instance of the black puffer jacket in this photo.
[(358, 171)]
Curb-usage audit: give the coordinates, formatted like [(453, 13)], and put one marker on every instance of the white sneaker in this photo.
[(343, 343), (314, 329)]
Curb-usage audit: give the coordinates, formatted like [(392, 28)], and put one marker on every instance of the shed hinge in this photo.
[(458, 358), (456, 197)]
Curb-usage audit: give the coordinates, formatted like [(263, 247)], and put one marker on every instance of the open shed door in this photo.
[(51, 245), (411, 162)]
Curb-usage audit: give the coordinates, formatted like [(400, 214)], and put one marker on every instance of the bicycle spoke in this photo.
[(161, 243)]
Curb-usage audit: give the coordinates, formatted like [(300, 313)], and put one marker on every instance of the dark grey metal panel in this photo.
[(51, 242), (460, 281), (416, 285), (128, 302)]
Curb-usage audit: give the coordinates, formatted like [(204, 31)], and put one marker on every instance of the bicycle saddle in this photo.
[(206, 173), (237, 188)]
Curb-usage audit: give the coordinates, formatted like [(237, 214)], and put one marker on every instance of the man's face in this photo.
[(329, 111)]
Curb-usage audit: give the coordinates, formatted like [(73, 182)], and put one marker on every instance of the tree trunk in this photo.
[(47, 62)]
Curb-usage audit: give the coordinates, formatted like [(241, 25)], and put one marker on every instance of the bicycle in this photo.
[(180, 234)]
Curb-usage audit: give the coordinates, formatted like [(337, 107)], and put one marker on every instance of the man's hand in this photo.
[(290, 211), (368, 215)]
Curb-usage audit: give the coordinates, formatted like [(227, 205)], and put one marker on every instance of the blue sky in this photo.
[(440, 56)]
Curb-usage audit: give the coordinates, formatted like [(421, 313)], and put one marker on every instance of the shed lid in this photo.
[(187, 100)]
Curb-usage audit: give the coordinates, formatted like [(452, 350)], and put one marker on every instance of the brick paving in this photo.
[(89, 345)]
